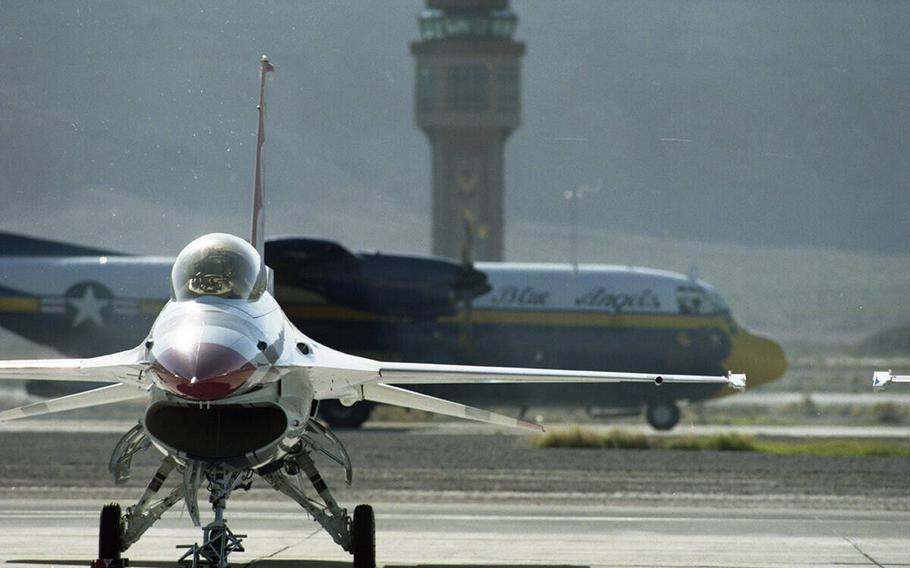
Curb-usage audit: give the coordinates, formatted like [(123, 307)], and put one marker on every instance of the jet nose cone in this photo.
[(206, 371)]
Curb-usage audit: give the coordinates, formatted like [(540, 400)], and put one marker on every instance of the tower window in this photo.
[(467, 88), (427, 88), (507, 87)]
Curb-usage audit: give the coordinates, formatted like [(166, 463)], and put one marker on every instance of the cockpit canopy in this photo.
[(218, 265)]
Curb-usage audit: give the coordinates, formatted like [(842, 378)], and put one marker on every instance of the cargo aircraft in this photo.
[(232, 389)]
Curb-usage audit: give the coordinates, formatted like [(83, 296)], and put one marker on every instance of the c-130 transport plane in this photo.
[(233, 387)]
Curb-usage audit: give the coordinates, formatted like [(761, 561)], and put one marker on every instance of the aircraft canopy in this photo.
[(218, 265)]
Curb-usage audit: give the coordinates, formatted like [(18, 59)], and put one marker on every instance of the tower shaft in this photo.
[(467, 103)]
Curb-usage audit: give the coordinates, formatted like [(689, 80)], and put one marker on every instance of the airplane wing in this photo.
[(422, 374), (882, 379), (350, 379), (395, 396), (96, 397), (124, 369)]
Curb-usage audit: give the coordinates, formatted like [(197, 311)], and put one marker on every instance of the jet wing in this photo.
[(395, 396), (349, 379), (124, 369), (104, 395), (422, 374)]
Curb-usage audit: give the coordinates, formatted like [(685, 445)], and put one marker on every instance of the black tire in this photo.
[(338, 415), (109, 537), (363, 534), (663, 415)]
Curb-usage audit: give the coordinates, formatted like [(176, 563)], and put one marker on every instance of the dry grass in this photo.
[(578, 437)]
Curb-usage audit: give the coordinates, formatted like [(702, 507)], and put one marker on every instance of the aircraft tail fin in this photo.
[(257, 235)]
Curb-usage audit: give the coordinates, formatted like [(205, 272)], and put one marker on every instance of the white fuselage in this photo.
[(213, 366)]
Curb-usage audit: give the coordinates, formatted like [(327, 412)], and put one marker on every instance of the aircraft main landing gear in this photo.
[(109, 538), (118, 531), (356, 534), (363, 535)]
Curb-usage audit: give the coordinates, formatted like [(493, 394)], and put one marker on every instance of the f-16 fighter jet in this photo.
[(232, 389)]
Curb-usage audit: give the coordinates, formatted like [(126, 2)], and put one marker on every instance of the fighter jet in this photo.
[(883, 379), (232, 389)]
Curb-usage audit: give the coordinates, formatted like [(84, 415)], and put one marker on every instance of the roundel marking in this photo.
[(88, 303)]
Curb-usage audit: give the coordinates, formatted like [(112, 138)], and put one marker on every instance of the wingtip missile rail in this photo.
[(883, 379)]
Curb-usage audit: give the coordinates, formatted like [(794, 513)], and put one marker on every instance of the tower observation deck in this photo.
[(467, 103)]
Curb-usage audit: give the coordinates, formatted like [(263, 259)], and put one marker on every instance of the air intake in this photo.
[(215, 433)]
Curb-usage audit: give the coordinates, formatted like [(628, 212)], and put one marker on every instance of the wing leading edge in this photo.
[(419, 373), (96, 397), (124, 369)]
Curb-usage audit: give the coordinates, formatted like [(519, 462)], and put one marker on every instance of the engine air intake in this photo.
[(218, 432)]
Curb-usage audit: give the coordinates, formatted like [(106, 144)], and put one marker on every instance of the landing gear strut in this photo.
[(117, 532), (356, 535), (218, 541)]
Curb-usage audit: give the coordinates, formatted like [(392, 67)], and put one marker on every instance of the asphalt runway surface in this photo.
[(453, 496)]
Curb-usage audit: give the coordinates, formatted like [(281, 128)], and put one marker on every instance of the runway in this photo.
[(454, 497), (54, 533), (470, 428)]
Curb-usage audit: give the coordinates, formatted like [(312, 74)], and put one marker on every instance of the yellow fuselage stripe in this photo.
[(19, 304)]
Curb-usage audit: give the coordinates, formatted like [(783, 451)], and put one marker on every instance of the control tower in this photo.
[(468, 102)]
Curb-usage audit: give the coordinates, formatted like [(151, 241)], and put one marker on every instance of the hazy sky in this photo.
[(131, 124)]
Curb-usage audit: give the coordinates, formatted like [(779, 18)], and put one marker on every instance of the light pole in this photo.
[(572, 197)]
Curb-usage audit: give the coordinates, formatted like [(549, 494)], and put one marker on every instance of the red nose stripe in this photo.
[(206, 372)]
